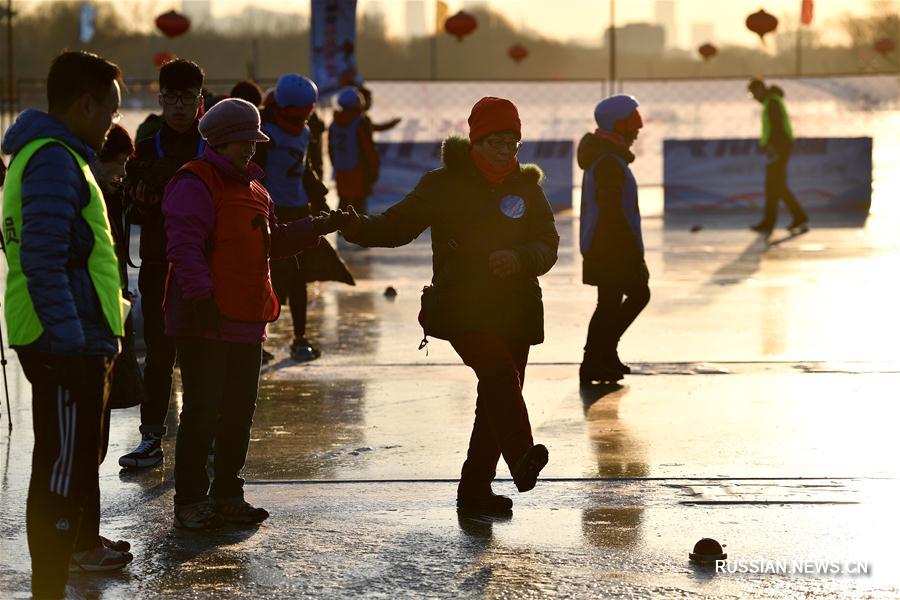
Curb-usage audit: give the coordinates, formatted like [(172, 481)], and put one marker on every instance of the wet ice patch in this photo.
[(681, 369), (332, 454)]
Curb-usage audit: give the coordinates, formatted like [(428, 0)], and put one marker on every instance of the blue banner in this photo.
[(404, 163), (833, 174), (333, 39), (86, 23)]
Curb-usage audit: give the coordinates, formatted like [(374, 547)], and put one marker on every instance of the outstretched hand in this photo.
[(329, 221), (351, 223)]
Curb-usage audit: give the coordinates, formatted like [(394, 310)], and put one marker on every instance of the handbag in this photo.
[(127, 386), (433, 311)]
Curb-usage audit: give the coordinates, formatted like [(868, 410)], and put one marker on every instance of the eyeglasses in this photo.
[(499, 145), (171, 99)]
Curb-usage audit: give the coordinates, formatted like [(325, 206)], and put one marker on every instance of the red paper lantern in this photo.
[(161, 58), (460, 25), (762, 23), (885, 45), (172, 24), (517, 52), (707, 51)]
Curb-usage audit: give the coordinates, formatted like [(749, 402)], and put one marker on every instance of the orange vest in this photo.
[(238, 255)]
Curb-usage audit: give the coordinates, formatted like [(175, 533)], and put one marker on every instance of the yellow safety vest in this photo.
[(22, 320), (767, 125)]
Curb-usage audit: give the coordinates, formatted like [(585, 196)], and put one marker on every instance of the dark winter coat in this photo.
[(56, 241), (467, 224), (155, 171), (615, 255)]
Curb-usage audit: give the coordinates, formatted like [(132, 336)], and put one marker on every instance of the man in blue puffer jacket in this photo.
[(64, 312)]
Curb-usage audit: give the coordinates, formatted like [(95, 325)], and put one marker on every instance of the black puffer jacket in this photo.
[(615, 256), (467, 224), (155, 171)]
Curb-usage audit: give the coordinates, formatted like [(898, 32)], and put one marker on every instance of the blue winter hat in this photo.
[(295, 90), (614, 109), (350, 99)]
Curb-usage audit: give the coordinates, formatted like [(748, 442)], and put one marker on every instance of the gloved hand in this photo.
[(504, 263), (330, 221), (206, 314)]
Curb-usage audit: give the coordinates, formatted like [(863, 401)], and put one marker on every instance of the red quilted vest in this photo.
[(238, 254)]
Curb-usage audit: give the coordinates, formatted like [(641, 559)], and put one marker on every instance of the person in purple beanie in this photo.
[(222, 232)]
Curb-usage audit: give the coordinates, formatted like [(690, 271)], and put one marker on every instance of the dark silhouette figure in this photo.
[(155, 160), (777, 140), (65, 313), (493, 234), (611, 240), (247, 90)]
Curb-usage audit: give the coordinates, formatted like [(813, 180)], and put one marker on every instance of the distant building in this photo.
[(416, 23), (199, 12), (664, 11), (702, 33), (638, 38), (255, 19)]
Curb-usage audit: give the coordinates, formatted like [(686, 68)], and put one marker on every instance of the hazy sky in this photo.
[(586, 19), (579, 19)]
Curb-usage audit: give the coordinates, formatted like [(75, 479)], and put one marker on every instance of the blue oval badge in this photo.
[(513, 206)]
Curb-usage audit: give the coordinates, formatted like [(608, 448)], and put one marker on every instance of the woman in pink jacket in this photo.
[(222, 231)]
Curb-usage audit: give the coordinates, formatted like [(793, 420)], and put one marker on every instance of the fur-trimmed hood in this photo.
[(456, 151)]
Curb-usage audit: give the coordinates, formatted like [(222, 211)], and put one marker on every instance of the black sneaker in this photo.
[(484, 504), (801, 226), (590, 373), (762, 227), (526, 472), (616, 363), (303, 351), (198, 515), (148, 453), (240, 512)]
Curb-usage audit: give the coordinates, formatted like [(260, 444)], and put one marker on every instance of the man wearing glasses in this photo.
[(65, 311), (155, 161), (493, 235)]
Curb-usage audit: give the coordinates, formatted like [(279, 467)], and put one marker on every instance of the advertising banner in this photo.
[(826, 174), (404, 163), (333, 39)]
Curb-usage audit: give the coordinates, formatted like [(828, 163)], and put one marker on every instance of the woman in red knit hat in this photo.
[(492, 235)]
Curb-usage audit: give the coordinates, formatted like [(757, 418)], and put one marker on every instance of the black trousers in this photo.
[(221, 382), (501, 418), (71, 432), (160, 361), (618, 305), (287, 280), (777, 189)]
